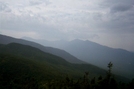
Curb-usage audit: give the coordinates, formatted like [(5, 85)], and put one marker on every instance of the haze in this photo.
[(107, 22)]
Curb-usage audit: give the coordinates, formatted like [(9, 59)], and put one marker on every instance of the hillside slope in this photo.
[(23, 66), (28, 52), (6, 40)]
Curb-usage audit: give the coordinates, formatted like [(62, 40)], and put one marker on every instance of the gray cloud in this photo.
[(121, 8), (109, 3), (2, 6), (98, 20), (118, 17), (38, 2)]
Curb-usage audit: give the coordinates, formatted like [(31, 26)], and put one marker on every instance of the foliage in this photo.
[(108, 82)]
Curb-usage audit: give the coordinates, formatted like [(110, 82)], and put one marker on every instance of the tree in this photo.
[(110, 65), (105, 83)]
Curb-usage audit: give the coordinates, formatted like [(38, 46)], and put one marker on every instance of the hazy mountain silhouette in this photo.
[(98, 55), (61, 53)]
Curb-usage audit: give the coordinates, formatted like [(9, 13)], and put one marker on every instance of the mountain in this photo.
[(23, 65), (6, 40), (99, 55), (88, 51)]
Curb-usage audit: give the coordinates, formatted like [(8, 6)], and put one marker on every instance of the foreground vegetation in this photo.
[(17, 73), (107, 82)]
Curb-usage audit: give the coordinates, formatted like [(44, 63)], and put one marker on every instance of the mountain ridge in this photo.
[(34, 54), (7, 39), (99, 55)]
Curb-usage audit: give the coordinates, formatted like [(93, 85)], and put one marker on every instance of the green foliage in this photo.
[(18, 72), (87, 83)]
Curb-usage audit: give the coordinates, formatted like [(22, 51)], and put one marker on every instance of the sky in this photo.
[(107, 22)]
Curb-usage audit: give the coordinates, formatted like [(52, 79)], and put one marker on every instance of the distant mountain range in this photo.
[(61, 53), (98, 55), (87, 51)]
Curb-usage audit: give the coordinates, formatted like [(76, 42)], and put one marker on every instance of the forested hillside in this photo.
[(21, 64), (27, 67)]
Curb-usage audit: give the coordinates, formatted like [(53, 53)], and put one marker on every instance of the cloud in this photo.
[(38, 2), (109, 3), (67, 19), (35, 2), (121, 8), (117, 17), (2, 6)]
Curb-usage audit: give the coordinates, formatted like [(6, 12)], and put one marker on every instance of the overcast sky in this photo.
[(108, 22)]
